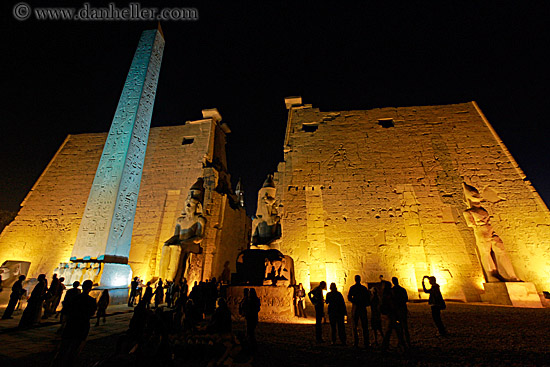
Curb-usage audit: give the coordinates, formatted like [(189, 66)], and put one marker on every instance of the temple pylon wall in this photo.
[(378, 192), (45, 229)]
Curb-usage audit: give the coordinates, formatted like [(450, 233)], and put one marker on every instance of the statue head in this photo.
[(266, 198), (472, 195), (192, 207), (195, 197)]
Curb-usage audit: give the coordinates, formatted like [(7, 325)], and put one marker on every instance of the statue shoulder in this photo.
[(201, 220)]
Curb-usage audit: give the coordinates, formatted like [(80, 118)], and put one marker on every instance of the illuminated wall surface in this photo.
[(106, 227), (46, 227), (361, 198)]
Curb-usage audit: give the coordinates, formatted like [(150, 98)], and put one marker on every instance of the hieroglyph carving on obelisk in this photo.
[(106, 228)]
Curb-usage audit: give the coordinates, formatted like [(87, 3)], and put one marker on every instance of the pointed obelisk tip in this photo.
[(159, 28)]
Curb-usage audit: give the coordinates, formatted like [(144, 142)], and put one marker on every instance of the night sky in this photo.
[(65, 77)]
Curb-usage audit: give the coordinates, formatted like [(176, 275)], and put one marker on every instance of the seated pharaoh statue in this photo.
[(263, 263), (266, 226), (187, 236), (494, 259)]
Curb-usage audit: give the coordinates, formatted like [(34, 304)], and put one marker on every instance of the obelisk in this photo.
[(105, 232)]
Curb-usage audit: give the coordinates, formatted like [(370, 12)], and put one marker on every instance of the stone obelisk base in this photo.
[(117, 296), (277, 302), (115, 275), (517, 294)]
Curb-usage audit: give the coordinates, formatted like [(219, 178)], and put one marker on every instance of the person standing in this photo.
[(102, 306), (401, 298), (436, 302), (159, 294), (251, 308), (140, 289), (50, 297), (388, 307), (169, 293), (69, 298), (375, 316), (359, 296), (134, 284), (175, 293), (301, 297), (184, 289), (318, 300), (16, 292), (80, 311), (242, 304), (336, 312), (57, 296), (220, 323), (148, 295), (32, 313)]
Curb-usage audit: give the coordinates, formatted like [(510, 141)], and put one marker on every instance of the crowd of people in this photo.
[(167, 314), (170, 322), (388, 303)]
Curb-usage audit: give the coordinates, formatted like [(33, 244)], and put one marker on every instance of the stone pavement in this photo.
[(480, 335), (16, 344)]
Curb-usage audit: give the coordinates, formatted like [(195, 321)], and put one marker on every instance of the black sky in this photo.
[(243, 58)]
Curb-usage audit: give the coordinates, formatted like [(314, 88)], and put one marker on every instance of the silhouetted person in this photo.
[(79, 312), (225, 277), (336, 312), (134, 286), (401, 298), (251, 308), (183, 291), (58, 294), (49, 297), (242, 304), (159, 294), (138, 324), (32, 313), (221, 319), (176, 289), (316, 297), (69, 297), (16, 292), (376, 318), (169, 296), (140, 290), (359, 296), (192, 316), (301, 300), (148, 295), (436, 302), (210, 296), (388, 308), (102, 304)]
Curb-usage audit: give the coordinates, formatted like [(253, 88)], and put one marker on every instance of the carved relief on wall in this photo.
[(493, 256)]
